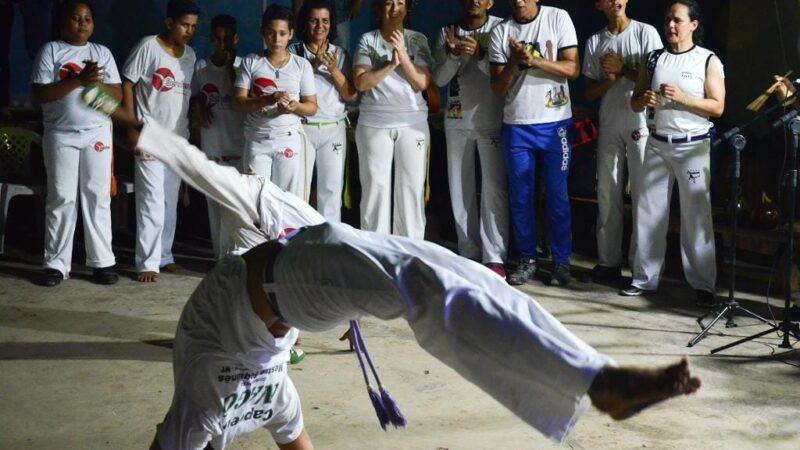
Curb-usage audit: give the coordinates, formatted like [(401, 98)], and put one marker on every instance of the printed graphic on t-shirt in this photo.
[(264, 86), (252, 401), (163, 80), (557, 97), (288, 153), (69, 70), (99, 146), (209, 95)]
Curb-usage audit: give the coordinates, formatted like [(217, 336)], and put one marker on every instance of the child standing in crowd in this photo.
[(157, 86), (276, 89), (327, 130), (77, 145), (220, 126)]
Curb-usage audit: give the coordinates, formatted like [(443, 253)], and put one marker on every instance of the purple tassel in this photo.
[(396, 417), (380, 411)]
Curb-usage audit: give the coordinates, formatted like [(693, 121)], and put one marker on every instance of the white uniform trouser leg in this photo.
[(460, 312), (280, 158), (616, 143), (150, 206), (481, 237), (407, 148), (221, 244), (689, 164), (329, 144), (172, 189), (78, 172)]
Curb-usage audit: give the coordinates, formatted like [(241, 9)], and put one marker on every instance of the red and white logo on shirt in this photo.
[(99, 146), (288, 153), (163, 79), (69, 70), (209, 94), (263, 87)]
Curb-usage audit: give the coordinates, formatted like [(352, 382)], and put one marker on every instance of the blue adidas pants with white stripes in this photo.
[(548, 145)]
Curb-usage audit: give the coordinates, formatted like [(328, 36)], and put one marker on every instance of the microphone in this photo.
[(784, 119), (726, 136)]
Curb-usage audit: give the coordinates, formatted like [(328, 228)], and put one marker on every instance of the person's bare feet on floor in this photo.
[(147, 277), (172, 268), (622, 392)]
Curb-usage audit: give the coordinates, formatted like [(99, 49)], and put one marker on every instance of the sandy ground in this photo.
[(89, 367)]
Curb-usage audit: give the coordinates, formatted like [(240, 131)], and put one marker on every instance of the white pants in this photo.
[(481, 237), (282, 158), (689, 164), (615, 142), (406, 148), (460, 312), (157, 189), (78, 173), (327, 153), (221, 243)]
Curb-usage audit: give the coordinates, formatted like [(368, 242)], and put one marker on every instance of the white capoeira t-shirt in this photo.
[(163, 84), (393, 103), (471, 104), (330, 106), (58, 60), (230, 372), (261, 78), (536, 96), (688, 71), (632, 44), (212, 85)]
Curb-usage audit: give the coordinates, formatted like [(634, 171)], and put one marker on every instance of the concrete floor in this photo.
[(89, 367)]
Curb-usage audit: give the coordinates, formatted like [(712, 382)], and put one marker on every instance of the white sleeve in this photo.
[(362, 56), (244, 77), (651, 41), (225, 185), (498, 47), (420, 50), (184, 427), (110, 72), (43, 71), (287, 423), (567, 38), (446, 65), (196, 82), (590, 60), (135, 67), (307, 84)]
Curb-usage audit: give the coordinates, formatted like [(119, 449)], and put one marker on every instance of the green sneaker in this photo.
[(296, 354)]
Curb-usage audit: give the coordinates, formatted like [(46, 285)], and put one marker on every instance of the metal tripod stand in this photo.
[(730, 308)]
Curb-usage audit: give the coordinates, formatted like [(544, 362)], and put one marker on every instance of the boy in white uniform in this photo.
[(472, 121), (157, 85), (326, 130), (221, 133), (276, 89), (610, 65), (77, 146)]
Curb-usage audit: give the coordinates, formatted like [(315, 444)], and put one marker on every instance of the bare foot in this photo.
[(622, 392), (147, 277), (172, 268)]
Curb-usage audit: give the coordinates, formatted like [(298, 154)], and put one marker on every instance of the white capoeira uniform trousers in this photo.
[(327, 153), (280, 157), (617, 143), (157, 189), (689, 164), (459, 311), (481, 236), (78, 167), (400, 209), (221, 243)]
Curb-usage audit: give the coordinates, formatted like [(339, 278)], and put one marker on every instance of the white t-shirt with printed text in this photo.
[(212, 85), (330, 106), (393, 102), (230, 372), (261, 78), (471, 104), (632, 44), (58, 60), (536, 97), (163, 84)]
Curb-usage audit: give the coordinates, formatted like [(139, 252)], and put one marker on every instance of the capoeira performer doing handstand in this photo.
[(235, 331)]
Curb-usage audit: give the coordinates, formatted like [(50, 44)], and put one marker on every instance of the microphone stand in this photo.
[(731, 307)]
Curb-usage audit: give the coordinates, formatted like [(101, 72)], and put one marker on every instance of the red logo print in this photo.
[(209, 95), (69, 70), (163, 80), (263, 87), (99, 146), (288, 153)]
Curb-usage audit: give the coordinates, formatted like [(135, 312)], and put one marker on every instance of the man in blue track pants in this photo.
[(533, 54)]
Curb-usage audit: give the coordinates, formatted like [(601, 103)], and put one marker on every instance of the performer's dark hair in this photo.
[(695, 13), (277, 12), (179, 8), (379, 5), (66, 8), (223, 21), (305, 11)]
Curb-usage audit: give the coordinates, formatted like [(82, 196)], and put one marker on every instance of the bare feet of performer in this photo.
[(622, 392), (147, 277), (172, 268)]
